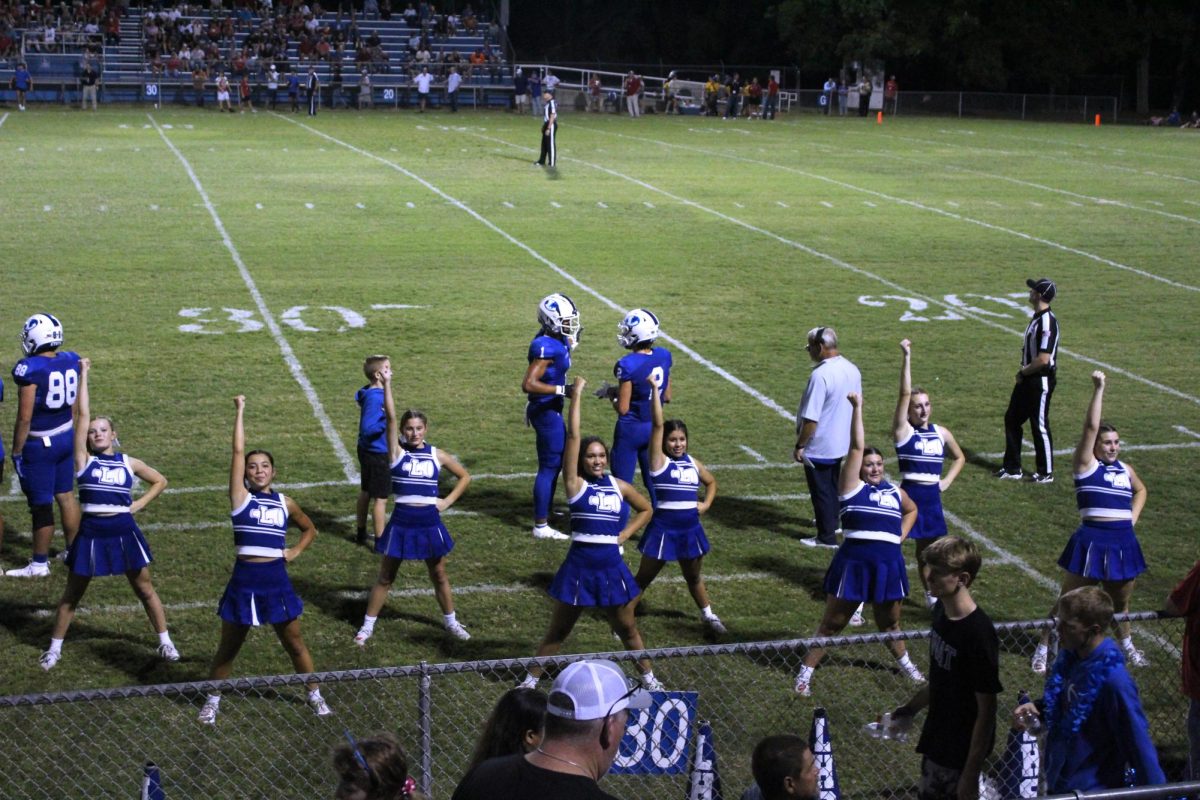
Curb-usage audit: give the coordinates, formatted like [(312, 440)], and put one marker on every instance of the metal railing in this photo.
[(267, 743)]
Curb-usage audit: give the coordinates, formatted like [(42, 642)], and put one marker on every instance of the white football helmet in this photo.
[(558, 314), (639, 325), (41, 332)]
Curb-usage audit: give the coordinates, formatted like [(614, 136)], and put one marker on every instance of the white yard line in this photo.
[(757, 395), (911, 203), (289, 355), (757, 456), (3, 118), (850, 267)]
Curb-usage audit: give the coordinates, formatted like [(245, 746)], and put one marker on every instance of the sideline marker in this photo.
[(821, 745), (879, 118), (1097, 120)]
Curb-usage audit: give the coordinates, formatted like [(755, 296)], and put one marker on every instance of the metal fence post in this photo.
[(425, 723), (1024, 98), (960, 105)]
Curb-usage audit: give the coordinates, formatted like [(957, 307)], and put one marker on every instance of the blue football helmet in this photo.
[(558, 314), (639, 325), (41, 332)]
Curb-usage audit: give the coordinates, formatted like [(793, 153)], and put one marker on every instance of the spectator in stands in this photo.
[(370, 9), (112, 29), (586, 714), (365, 100), (88, 77), (470, 22), (410, 16), (514, 727), (1184, 601), (373, 768), (385, 10), (783, 768), (477, 60), (1096, 732)]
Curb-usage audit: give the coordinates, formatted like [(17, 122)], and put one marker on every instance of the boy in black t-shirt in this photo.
[(964, 678)]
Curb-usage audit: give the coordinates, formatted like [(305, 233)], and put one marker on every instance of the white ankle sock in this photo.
[(164, 638), (707, 612), (450, 618), (904, 660), (369, 622), (56, 645)]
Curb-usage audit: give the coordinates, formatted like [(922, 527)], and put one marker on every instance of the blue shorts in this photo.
[(410, 536), (931, 522), (108, 545), (593, 575), (48, 467), (259, 593), (866, 571), (1105, 551)]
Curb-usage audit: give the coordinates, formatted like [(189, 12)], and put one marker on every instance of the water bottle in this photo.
[(1031, 721)]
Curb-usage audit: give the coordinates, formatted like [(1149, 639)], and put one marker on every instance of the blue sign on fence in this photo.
[(658, 739)]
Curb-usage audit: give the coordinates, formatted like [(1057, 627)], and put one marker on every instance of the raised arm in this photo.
[(657, 457), (308, 531), (852, 464), (901, 429), (1084, 451), (570, 466), (237, 464), (83, 415), (389, 410), (455, 468)]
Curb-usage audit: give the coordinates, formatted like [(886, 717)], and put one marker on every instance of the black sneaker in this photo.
[(1005, 475)]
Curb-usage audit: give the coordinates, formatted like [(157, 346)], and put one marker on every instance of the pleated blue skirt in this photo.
[(931, 521), (1106, 551), (668, 540), (108, 545), (865, 571), (593, 575), (259, 593)]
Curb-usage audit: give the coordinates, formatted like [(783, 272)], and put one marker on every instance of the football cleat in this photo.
[(558, 314), (41, 332), (639, 325)]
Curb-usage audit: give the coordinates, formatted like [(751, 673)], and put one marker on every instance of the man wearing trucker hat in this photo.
[(585, 720)]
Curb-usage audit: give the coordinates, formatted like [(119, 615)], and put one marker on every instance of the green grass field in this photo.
[(194, 256)]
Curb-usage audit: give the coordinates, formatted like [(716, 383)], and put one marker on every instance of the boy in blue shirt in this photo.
[(376, 481)]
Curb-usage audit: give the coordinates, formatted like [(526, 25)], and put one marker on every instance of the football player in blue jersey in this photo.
[(43, 437), (109, 541), (637, 333), (1104, 548), (545, 383), (259, 591), (415, 530), (675, 532), (921, 447)]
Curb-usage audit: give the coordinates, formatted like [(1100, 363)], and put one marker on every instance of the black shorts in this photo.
[(376, 474)]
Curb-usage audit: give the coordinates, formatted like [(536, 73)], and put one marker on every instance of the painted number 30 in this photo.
[(302, 318), (949, 304)]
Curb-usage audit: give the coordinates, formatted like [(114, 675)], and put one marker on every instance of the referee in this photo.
[(549, 130), (1034, 387)]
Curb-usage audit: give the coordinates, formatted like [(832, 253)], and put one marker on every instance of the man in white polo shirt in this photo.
[(423, 81), (823, 429)]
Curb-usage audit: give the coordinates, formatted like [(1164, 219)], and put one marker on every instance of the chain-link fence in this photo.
[(267, 742)]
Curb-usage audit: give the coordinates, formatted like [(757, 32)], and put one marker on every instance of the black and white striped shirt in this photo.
[(1041, 337), (551, 110)]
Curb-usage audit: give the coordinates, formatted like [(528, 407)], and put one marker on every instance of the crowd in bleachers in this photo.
[(58, 28)]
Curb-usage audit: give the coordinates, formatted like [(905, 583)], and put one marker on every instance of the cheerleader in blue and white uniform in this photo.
[(869, 565), (109, 542), (594, 574), (1104, 549), (921, 447), (415, 530), (259, 591), (675, 532)]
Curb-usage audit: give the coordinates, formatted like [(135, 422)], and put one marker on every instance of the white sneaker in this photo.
[(652, 684), (455, 629), (167, 652), (817, 543), (530, 682), (363, 634), (319, 706), (804, 682), (857, 620), (62, 556), (546, 532), (714, 624), (208, 712), (49, 659), (912, 673), (30, 570), (1038, 664), (1136, 657)]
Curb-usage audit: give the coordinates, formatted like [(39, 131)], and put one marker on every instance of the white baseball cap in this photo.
[(593, 690)]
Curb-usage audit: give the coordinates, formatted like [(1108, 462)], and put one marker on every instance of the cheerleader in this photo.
[(675, 533), (921, 447), (869, 564), (594, 574), (109, 541), (1104, 549), (415, 530), (259, 591)]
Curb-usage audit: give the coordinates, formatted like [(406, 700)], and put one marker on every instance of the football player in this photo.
[(545, 383)]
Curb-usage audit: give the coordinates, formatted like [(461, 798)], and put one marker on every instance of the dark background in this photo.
[(1147, 52)]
